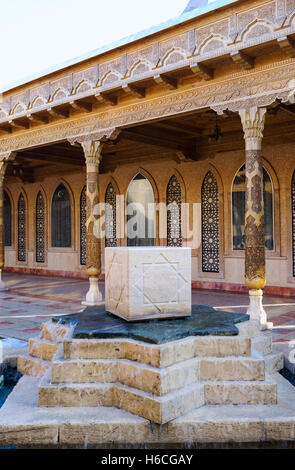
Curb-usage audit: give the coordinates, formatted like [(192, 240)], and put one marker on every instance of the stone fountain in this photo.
[(103, 375)]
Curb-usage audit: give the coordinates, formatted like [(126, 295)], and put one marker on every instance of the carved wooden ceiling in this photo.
[(183, 138)]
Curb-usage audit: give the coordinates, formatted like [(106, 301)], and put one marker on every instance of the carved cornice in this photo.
[(256, 88)]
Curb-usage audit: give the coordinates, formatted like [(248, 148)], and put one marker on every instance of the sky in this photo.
[(38, 34)]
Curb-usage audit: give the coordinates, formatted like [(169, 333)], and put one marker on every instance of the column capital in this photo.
[(92, 151), (253, 120)]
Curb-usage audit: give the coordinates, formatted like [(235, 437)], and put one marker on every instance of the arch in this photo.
[(38, 101), (40, 228), (110, 216), (7, 220), (61, 218), (138, 67), (21, 228), (256, 28), (18, 108), (210, 224), (83, 216), (110, 77), (174, 55), (238, 209), (59, 94), (83, 86), (211, 44), (140, 212), (173, 203)]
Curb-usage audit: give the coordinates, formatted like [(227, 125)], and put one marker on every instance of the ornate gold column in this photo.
[(92, 151), (3, 165), (253, 125)]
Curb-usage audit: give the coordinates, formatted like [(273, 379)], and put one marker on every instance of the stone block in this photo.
[(87, 395), (231, 369), (222, 346), (94, 349), (42, 349), (274, 362), (158, 409), (262, 345), (32, 366), (152, 282), (82, 371), (280, 429), (240, 393), (55, 332)]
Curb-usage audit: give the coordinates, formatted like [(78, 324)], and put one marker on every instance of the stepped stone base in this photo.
[(158, 382), (22, 423)]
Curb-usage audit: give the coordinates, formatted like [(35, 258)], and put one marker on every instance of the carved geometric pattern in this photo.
[(40, 228), (293, 219), (173, 201), (21, 229), (83, 217), (7, 220), (61, 228), (110, 217), (210, 224)]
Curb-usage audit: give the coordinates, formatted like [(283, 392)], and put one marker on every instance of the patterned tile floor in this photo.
[(32, 299)]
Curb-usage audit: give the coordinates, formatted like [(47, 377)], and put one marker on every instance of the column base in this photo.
[(256, 310), (93, 296)]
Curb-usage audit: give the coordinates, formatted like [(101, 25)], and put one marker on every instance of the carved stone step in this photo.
[(240, 393), (43, 349), (234, 368), (75, 395), (56, 332), (140, 376), (274, 362), (34, 367), (157, 409), (158, 355)]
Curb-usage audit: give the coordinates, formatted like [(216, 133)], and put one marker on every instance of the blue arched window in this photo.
[(61, 225), (173, 201), (210, 224), (21, 229), (83, 227), (110, 216), (40, 228), (7, 220)]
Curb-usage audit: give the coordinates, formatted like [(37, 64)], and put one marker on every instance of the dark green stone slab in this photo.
[(95, 323)]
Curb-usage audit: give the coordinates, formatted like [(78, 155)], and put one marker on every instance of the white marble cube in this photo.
[(148, 282)]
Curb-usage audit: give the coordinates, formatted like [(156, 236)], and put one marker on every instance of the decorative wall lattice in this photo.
[(210, 224), (7, 220), (61, 227), (83, 227), (40, 228), (110, 217), (21, 229), (173, 201), (293, 219)]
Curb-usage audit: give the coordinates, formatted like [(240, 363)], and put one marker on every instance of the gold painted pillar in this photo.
[(3, 165), (253, 125), (92, 151)]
